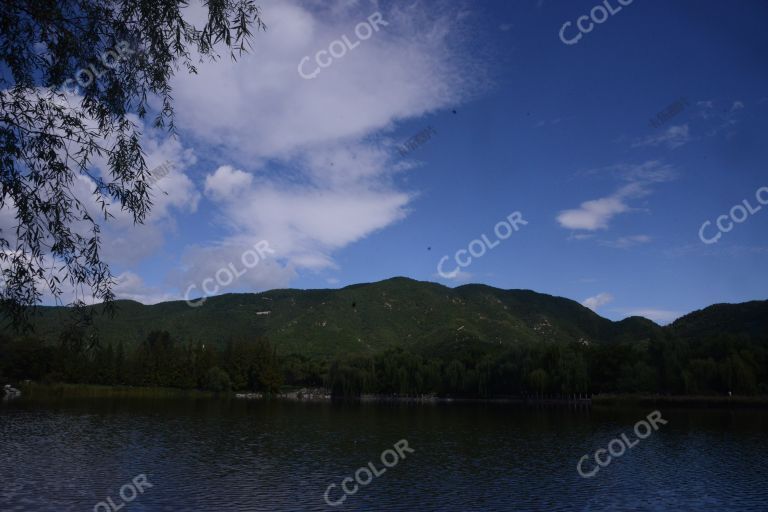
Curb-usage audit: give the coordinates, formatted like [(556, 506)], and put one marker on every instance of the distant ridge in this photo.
[(369, 317)]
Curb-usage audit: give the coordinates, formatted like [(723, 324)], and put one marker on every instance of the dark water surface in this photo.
[(229, 455)]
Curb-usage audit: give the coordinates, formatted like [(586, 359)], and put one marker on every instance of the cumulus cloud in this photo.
[(597, 301), (226, 182), (235, 265), (305, 223), (260, 107), (596, 214), (309, 165)]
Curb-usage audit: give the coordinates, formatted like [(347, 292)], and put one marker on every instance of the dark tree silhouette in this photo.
[(117, 55)]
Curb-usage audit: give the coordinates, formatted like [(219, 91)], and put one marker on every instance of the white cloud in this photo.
[(293, 160), (673, 137), (227, 269), (599, 300), (123, 242), (305, 223), (297, 162), (626, 242), (126, 243), (260, 108), (127, 285), (226, 182), (596, 214)]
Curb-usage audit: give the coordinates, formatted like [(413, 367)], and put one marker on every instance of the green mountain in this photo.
[(368, 318), (746, 320)]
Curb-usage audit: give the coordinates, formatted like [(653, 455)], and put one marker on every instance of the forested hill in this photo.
[(367, 318), (747, 320), (362, 318)]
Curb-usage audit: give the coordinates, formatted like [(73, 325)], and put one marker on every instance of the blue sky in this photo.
[(522, 123)]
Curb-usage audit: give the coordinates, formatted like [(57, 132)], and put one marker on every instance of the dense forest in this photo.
[(395, 337), (665, 364)]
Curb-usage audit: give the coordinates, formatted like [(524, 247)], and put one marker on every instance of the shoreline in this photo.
[(68, 390), (96, 391), (610, 399)]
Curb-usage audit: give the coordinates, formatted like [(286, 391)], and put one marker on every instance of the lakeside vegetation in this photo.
[(666, 365), (397, 337)]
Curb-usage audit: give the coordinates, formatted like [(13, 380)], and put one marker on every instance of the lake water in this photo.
[(236, 455)]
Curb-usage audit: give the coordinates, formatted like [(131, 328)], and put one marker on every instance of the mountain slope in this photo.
[(370, 317), (748, 320), (363, 318)]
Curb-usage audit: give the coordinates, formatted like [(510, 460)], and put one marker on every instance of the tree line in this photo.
[(716, 365), (158, 361)]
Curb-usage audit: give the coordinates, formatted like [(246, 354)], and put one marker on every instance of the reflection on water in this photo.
[(208, 454)]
